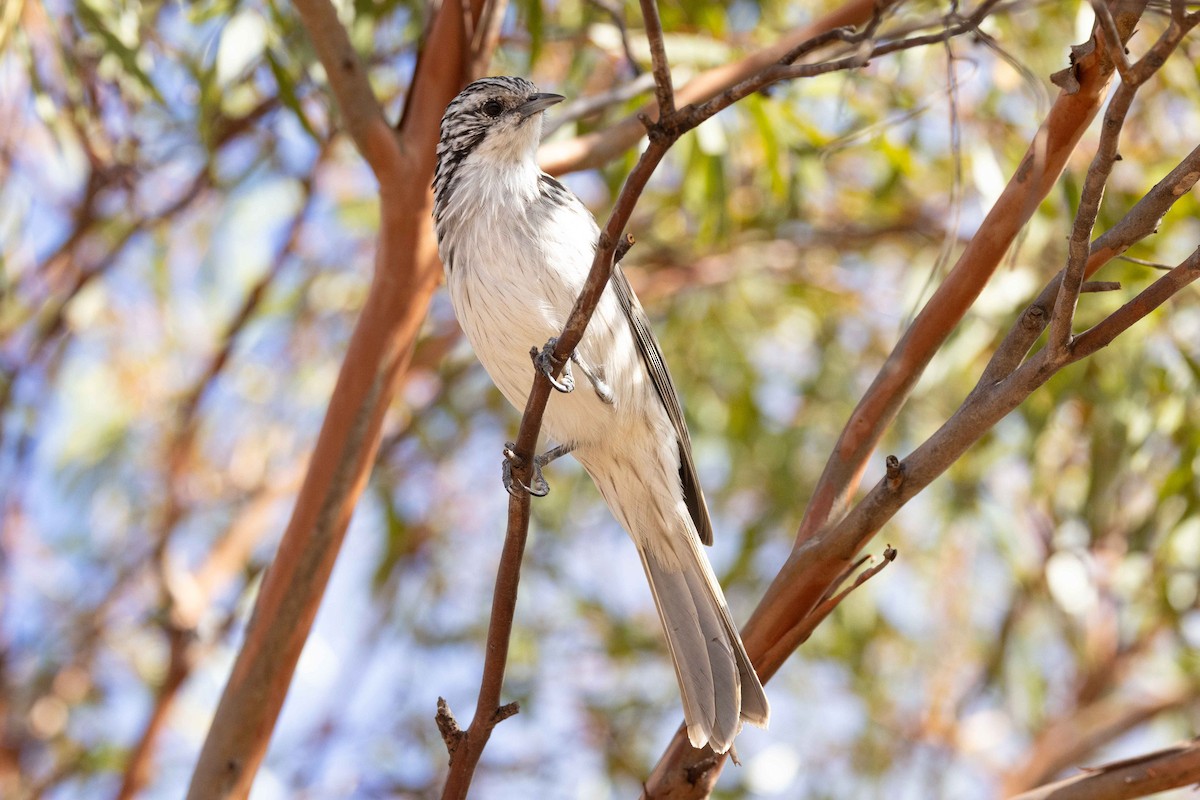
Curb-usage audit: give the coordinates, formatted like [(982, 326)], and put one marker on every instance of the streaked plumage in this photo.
[(517, 246)]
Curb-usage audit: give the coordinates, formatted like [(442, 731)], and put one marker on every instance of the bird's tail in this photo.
[(719, 687)]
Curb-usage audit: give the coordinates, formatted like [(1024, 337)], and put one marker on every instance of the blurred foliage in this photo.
[(185, 249)]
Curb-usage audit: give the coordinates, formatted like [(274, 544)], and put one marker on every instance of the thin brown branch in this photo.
[(347, 78), (1078, 248), (1043, 162), (664, 91), (598, 148), (865, 49), (981, 410), (1103, 333), (1115, 46), (485, 36), (1139, 222), (826, 606), (1133, 77), (806, 575), (615, 11), (593, 104), (1133, 777)]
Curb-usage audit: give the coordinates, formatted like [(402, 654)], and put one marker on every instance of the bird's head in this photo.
[(497, 118)]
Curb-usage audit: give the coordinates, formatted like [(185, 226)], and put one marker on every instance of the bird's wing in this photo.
[(653, 357)]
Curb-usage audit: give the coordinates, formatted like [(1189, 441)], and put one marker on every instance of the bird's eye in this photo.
[(493, 108)]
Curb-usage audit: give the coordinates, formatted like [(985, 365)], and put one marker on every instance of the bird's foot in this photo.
[(512, 485), (596, 379), (545, 362), (538, 487)]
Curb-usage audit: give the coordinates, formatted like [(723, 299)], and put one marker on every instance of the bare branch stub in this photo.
[(895, 473), (623, 247), (505, 711), (1100, 286), (447, 725)]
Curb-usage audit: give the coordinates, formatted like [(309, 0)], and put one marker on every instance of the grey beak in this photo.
[(538, 102)]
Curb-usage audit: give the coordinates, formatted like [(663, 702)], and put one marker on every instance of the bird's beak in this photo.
[(538, 102)]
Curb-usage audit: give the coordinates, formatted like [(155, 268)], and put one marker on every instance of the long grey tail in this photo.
[(719, 687)]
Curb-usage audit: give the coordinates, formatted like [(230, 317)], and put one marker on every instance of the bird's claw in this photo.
[(596, 378), (511, 460), (539, 488), (544, 361)]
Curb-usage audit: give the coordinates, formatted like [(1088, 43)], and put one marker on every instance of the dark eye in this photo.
[(493, 108)]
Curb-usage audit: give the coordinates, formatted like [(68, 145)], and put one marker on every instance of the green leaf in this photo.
[(287, 93), (126, 55)]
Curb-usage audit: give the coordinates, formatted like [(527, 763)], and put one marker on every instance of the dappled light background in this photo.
[(186, 242)]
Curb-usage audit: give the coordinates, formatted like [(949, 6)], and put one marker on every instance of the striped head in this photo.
[(493, 118)]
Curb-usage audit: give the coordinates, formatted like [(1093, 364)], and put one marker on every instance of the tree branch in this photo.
[(348, 79), (1100, 169), (1037, 174), (663, 90), (598, 148), (1133, 777)]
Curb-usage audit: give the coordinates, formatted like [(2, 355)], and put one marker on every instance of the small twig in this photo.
[(1079, 248), (850, 569), (663, 89), (1153, 296), (889, 555), (809, 623), (592, 104), (485, 35), (447, 725), (1097, 177), (1116, 48), (785, 70), (1145, 263), (1100, 286), (1139, 222), (618, 18)]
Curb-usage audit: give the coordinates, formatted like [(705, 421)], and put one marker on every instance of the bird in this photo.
[(516, 246)]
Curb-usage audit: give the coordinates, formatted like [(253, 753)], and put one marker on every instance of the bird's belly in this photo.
[(504, 318)]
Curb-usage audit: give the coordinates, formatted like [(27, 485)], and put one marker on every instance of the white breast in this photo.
[(519, 262)]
